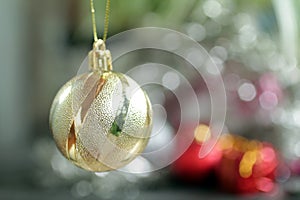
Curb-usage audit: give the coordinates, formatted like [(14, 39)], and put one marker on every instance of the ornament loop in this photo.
[(100, 57)]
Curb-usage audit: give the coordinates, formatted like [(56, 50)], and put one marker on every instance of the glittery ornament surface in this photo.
[(101, 121)]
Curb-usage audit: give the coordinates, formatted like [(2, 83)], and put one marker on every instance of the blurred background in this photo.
[(255, 45)]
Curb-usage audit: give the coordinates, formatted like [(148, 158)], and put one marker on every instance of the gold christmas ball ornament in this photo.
[(101, 120)]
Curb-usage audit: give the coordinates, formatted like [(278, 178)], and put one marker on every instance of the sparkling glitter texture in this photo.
[(101, 120)]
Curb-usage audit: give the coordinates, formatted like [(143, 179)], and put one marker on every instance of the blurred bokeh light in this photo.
[(255, 46)]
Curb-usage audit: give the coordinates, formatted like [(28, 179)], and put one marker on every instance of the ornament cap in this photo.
[(100, 57)]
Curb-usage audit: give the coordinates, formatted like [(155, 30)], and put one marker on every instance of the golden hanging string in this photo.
[(94, 21), (106, 20)]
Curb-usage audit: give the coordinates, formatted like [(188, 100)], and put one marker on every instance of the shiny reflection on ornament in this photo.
[(196, 31), (171, 80), (268, 100), (247, 92), (212, 8), (65, 94)]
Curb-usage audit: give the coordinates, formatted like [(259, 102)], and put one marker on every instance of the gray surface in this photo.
[(157, 195)]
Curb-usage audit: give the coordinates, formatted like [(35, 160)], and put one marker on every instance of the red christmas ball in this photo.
[(191, 166), (247, 166)]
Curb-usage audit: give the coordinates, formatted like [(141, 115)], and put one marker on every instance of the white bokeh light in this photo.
[(247, 92)]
